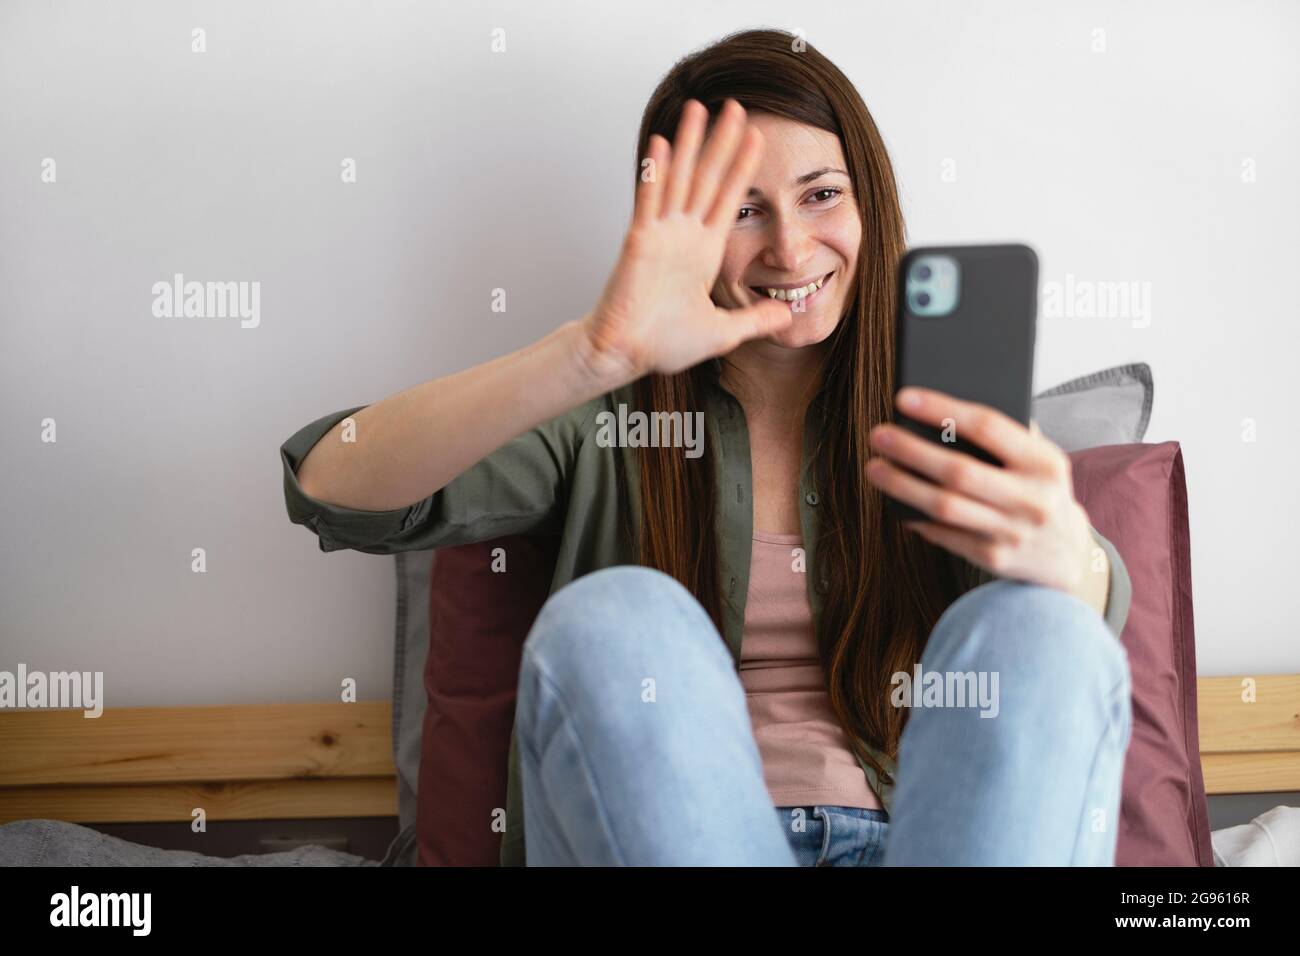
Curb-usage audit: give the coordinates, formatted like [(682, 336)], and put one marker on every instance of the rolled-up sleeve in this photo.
[(517, 489), (1121, 587)]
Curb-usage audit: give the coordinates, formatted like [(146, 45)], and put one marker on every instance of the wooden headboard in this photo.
[(290, 761), (135, 764), (1250, 733)]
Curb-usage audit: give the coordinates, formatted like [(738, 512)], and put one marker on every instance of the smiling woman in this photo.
[(816, 218), (744, 663)]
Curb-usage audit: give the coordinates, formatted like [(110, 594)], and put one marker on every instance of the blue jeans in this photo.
[(834, 836), (636, 748)]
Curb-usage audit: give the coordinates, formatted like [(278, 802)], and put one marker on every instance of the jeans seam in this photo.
[(567, 722), (820, 811), (870, 845), (1112, 721)]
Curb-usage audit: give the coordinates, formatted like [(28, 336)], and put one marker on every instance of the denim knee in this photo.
[(1022, 628), (629, 611)]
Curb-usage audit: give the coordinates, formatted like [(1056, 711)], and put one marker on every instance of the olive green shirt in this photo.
[(559, 479)]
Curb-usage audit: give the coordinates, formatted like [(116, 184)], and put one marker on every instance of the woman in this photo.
[(754, 293)]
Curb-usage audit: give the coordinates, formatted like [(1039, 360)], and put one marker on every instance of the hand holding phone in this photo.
[(964, 462)]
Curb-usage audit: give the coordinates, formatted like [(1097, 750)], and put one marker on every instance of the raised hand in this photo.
[(655, 314)]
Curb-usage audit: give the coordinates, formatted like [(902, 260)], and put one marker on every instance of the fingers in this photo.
[(975, 548), (650, 188), (715, 160), (686, 144), (958, 471), (941, 504), (738, 179), (710, 182), (1005, 438)]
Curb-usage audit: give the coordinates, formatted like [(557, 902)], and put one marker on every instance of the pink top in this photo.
[(806, 755)]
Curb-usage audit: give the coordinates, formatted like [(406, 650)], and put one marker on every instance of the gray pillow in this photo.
[(1110, 407)]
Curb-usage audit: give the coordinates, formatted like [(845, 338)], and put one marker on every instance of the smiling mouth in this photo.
[(802, 297)]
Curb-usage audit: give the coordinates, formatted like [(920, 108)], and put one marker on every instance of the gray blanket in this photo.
[(55, 843)]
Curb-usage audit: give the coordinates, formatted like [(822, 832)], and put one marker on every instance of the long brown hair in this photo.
[(885, 586)]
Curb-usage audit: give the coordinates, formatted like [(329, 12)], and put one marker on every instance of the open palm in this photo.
[(656, 314)]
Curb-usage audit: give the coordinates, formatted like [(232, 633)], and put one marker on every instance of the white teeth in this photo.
[(789, 295)]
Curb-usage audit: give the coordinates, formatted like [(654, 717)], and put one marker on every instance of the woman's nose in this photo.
[(789, 246)]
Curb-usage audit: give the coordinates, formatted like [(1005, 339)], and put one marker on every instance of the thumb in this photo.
[(761, 319)]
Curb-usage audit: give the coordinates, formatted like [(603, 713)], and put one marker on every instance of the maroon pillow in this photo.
[(1136, 495), (478, 619)]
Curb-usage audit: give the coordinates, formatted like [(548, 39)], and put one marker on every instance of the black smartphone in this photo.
[(965, 325)]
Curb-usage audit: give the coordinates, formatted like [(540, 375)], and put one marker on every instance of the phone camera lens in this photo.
[(923, 272), (923, 299)]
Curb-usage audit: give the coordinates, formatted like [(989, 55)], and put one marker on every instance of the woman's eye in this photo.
[(829, 193)]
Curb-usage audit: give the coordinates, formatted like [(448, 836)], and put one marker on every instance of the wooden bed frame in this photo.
[(293, 761)]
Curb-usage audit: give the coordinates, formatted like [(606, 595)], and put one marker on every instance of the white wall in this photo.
[(479, 170)]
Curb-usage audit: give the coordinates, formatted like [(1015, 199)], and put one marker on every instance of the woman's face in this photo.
[(799, 225)]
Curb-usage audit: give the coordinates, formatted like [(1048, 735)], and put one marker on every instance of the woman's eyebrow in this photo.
[(805, 178)]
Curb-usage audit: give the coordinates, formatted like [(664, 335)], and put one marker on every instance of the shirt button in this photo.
[(811, 498)]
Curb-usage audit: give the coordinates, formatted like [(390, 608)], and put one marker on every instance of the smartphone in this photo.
[(965, 325)]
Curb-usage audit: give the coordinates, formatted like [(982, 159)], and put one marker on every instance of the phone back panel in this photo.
[(982, 351)]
